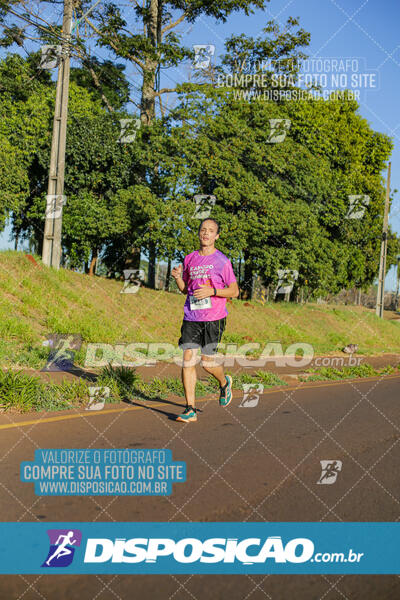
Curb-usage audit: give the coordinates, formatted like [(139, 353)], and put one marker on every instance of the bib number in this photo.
[(199, 303)]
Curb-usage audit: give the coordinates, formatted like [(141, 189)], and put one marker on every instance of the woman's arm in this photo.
[(231, 291)]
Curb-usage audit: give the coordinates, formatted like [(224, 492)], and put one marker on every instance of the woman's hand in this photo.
[(204, 291), (177, 272)]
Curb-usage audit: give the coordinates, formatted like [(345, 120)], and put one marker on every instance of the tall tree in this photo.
[(158, 44), (286, 205)]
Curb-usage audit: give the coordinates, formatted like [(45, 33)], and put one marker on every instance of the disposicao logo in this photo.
[(62, 547), (191, 550)]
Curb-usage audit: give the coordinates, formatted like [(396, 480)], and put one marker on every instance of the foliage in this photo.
[(281, 205)]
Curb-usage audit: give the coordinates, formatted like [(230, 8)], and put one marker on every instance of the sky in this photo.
[(365, 32)]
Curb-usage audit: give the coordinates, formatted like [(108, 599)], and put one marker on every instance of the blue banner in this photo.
[(209, 548)]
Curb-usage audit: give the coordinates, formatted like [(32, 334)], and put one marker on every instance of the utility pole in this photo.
[(51, 253), (396, 302), (380, 298)]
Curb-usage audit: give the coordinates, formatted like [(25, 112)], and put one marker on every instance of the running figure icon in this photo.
[(62, 549)]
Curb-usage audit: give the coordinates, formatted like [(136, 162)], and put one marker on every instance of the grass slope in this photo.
[(36, 302)]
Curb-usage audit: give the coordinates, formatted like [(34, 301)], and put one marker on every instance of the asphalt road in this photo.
[(243, 464)]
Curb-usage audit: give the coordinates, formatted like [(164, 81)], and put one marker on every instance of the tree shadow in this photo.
[(75, 371)]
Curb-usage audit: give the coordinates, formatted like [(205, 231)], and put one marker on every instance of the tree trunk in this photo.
[(152, 265), (132, 260), (247, 284), (168, 276), (147, 108), (148, 101), (93, 262)]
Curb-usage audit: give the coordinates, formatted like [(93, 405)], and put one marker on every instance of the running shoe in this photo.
[(189, 414), (225, 393)]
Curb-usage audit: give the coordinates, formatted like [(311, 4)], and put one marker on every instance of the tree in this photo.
[(24, 112), (286, 204), (97, 165), (159, 45)]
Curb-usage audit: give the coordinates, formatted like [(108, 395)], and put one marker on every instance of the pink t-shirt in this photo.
[(215, 270)]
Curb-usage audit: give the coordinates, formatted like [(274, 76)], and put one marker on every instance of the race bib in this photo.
[(197, 303)]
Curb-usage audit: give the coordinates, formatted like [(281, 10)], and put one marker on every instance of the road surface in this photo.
[(243, 464)]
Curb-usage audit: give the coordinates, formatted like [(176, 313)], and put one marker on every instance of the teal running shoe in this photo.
[(225, 393), (189, 414)]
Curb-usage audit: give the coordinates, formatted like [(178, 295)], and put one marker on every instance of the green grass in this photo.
[(36, 302), (26, 393), (267, 378), (365, 370), (127, 385)]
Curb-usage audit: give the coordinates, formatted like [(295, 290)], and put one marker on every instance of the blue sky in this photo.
[(365, 30)]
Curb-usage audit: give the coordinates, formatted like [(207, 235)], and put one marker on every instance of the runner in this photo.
[(208, 280)]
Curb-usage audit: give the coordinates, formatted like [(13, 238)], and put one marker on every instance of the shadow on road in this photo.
[(147, 399)]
